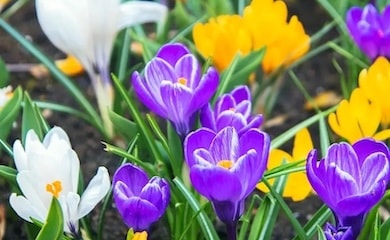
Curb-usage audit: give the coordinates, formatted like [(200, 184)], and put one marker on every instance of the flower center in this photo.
[(232, 109), (227, 164), (182, 81), (54, 188)]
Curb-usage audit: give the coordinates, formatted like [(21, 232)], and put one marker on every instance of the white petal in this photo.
[(65, 23), (56, 134), (136, 12), (69, 204), (34, 190), (20, 156), (96, 190), (25, 209)]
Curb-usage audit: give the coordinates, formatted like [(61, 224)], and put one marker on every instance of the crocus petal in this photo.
[(137, 12), (206, 89), (365, 147), (200, 138), (157, 71), (244, 167), (302, 144), (25, 209), (375, 169), (188, 67), (172, 52), (139, 213), (148, 98), (128, 173), (96, 190), (337, 153), (56, 134), (241, 93), (225, 102), (216, 183), (58, 19), (207, 117), (69, 204), (165, 194), (225, 145), (20, 156), (230, 118), (358, 204), (177, 101)]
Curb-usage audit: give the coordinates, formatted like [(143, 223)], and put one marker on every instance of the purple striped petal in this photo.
[(241, 93), (375, 169), (188, 68), (216, 183), (198, 139), (367, 146), (232, 119), (171, 53), (207, 117), (225, 145), (344, 157), (129, 173), (205, 90)]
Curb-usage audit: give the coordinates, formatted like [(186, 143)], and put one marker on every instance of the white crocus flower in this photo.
[(51, 169), (86, 29)]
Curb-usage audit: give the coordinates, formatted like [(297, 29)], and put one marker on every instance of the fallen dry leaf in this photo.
[(323, 100)]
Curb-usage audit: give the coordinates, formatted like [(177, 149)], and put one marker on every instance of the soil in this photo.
[(317, 75)]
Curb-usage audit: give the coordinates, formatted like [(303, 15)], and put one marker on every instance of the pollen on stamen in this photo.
[(227, 164), (182, 81), (54, 188)]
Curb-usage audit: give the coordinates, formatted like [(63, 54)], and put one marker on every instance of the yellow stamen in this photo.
[(140, 236), (232, 109), (54, 188), (182, 81), (227, 164)]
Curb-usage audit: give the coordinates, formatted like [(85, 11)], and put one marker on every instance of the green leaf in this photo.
[(54, 226), (30, 120), (321, 234), (4, 75), (246, 66), (123, 126), (8, 174), (203, 220), (319, 219), (10, 112), (385, 230)]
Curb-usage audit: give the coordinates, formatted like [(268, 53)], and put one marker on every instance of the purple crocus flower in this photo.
[(342, 233), (139, 200), (370, 30), (225, 168), (231, 109), (173, 86), (350, 179)]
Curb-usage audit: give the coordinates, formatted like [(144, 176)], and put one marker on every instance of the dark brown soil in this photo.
[(317, 75)]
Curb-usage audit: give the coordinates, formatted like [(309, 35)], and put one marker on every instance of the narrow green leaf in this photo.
[(123, 126), (4, 145), (246, 218), (54, 226), (204, 221), (281, 139), (321, 234), (10, 112), (30, 119), (8, 174), (267, 206), (385, 230), (318, 219), (4, 75)]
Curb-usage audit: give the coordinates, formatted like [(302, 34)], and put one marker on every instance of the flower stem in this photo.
[(231, 228)]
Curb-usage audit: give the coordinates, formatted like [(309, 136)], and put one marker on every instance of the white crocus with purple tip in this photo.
[(51, 169), (86, 29)]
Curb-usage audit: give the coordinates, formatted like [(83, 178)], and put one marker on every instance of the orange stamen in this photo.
[(182, 81), (227, 164), (54, 188)]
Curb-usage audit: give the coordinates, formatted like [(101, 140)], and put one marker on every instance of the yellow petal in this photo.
[(382, 135), (297, 186), (275, 159), (70, 66), (302, 145), (3, 3), (221, 39)]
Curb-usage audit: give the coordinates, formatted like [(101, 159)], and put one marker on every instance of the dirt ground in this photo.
[(317, 75)]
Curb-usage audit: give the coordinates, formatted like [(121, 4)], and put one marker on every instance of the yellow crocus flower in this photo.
[(221, 38), (285, 41), (357, 118), (297, 186), (375, 83), (140, 236)]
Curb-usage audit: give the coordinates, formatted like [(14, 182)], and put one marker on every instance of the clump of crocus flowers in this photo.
[(350, 179), (263, 24)]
